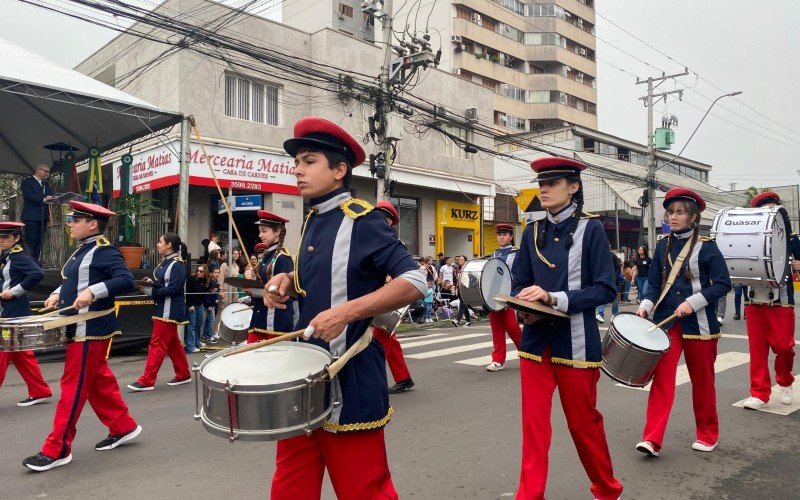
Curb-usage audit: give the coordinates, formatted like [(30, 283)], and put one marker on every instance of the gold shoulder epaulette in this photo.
[(283, 251), (587, 215), (177, 259), (514, 248), (17, 249), (102, 242), (705, 238), (355, 208)]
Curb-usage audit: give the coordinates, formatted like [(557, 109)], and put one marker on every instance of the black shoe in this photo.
[(175, 381), (33, 401), (112, 442), (468, 323), (401, 386), (137, 387), (41, 462), (209, 340), (736, 317), (455, 323)]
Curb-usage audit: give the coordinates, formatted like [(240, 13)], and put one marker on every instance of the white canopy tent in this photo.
[(42, 103)]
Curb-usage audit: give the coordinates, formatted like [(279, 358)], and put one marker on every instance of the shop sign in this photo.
[(432, 240), (455, 214), (244, 203)]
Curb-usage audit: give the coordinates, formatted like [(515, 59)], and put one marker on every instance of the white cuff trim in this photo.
[(647, 305), (697, 301), (562, 301), (417, 278), (99, 290), (17, 291)]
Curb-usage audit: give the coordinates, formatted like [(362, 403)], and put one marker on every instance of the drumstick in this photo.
[(655, 327), (57, 311), (263, 343), (242, 310)]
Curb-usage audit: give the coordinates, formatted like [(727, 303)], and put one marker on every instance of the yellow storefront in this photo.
[(458, 228)]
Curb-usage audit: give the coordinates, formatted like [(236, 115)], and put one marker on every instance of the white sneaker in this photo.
[(215, 336), (494, 366), (787, 395), (753, 403), (701, 446), (721, 321), (647, 448), (599, 318)]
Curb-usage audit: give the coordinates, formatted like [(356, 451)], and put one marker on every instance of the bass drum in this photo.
[(755, 244), (482, 280)]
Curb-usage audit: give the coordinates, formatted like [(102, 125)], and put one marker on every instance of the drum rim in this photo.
[(480, 282), (616, 332), (624, 382), (260, 435), (255, 387)]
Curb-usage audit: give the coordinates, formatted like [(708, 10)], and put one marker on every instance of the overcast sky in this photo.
[(737, 45)]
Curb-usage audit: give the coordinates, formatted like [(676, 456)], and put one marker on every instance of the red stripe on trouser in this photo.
[(503, 322), (577, 389), (86, 362), (393, 352), (769, 328), (28, 369), (699, 356), (254, 337), (356, 464), (164, 342)]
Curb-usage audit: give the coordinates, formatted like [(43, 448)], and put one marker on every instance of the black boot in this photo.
[(401, 386)]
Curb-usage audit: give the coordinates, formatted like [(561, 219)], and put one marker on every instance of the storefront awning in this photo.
[(43, 103)]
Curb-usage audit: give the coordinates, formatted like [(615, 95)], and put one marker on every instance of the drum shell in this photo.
[(29, 337), (389, 321), (267, 412), (625, 362), (473, 282), (234, 332)]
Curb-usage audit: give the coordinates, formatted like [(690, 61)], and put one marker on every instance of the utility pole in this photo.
[(651, 157), (386, 101)]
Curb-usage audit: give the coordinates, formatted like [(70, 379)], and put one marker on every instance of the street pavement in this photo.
[(455, 435)]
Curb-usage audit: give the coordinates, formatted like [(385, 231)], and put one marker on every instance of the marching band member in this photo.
[(170, 311), (566, 255), (93, 276), (771, 326), (687, 276), (346, 251), (269, 322), (391, 346), (504, 321), (19, 273)]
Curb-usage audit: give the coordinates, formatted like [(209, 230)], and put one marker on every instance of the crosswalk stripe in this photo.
[(485, 359), (774, 405), (409, 345), (725, 361), (453, 350), (418, 337)]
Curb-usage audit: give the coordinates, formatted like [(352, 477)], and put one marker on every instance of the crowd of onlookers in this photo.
[(442, 301)]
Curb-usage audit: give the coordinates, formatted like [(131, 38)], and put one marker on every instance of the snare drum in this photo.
[(27, 334), (483, 279), (271, 393), (631, 351), (235, 322), (755, 244), (389, 321)]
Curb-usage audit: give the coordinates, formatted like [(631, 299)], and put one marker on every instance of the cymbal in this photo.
[(534, 308), (243, 283)]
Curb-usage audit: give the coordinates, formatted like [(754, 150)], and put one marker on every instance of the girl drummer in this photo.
[(170, 311), (265, 322), (567, 253), (700, 278), (19, 273)]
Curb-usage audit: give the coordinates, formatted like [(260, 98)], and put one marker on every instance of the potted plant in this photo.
[(128, 207)]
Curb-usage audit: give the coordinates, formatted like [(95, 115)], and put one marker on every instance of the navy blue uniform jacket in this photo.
[(264, 319), (168, 290), (18, 273)]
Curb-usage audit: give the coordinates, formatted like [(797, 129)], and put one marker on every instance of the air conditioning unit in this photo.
[(476, 18), (568, 68), (455, 38), (341, 15), (580, 74), (503, 120), (581, 51), (456, 71), (471, 114)]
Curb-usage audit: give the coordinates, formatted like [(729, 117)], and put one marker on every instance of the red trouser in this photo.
[(87, 377), (253, 337), (502, 322), (700, 356), (577, 389), (393, 352), (769, 327), (164, 342), (356, 464), (28, 369)]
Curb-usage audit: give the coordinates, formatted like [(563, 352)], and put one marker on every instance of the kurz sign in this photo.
[(462, 214)]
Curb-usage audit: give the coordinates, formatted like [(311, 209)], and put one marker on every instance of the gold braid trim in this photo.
[(686, 336), (262, 331), (769, 304), (167, 320), (578, 363), (532, 357), (296, 275), (17, 249), (360, 426), (97, 337), (102, 242), (347, 207), (536, 246)]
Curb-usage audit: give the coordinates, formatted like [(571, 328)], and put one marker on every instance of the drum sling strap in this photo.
[(673, 273)]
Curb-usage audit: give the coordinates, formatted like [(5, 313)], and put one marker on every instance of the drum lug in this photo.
[(233, 416), (196, 371)]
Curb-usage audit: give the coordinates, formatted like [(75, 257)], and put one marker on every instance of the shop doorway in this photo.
[(458, 242)]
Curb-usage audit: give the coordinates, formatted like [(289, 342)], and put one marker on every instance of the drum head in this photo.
[(495, 280), (236, 316), (272, 365), (779, 243), (636, 331)]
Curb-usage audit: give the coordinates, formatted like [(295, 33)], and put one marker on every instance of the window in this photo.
[(345, 10), (514, 92), (513, 5), (510, 121), (511, 32), (456, 148), (545, 39), (408, 229), (251, 100)]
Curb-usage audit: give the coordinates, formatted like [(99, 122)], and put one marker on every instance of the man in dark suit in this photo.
[(36, 193)]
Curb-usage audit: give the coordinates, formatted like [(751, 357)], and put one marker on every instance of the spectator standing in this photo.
[(627, 277), (35, 192), (214, 243), (196, 288), (463, 309), (641, 271), (214, 259), (430, 270), (601, 309), (429, 302), (210, 303), (446, 271)]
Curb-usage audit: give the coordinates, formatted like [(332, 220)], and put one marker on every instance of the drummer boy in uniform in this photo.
[(94, 274), (505, 320), (346, 251)]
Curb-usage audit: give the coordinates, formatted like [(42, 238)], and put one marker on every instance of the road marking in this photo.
[(725, 361), (419, 343), (774, 405), (731, 336), (418, 337), (485, 360), (453, 350)]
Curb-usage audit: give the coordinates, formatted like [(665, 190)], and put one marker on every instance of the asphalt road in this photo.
[(455, 435)]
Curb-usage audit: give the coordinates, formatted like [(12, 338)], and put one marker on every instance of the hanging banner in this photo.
[(235, 168)]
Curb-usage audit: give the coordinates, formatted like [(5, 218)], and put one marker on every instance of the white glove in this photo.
[(309, 332)]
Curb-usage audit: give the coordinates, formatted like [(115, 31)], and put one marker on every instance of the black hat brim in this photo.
[(292, 146)]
